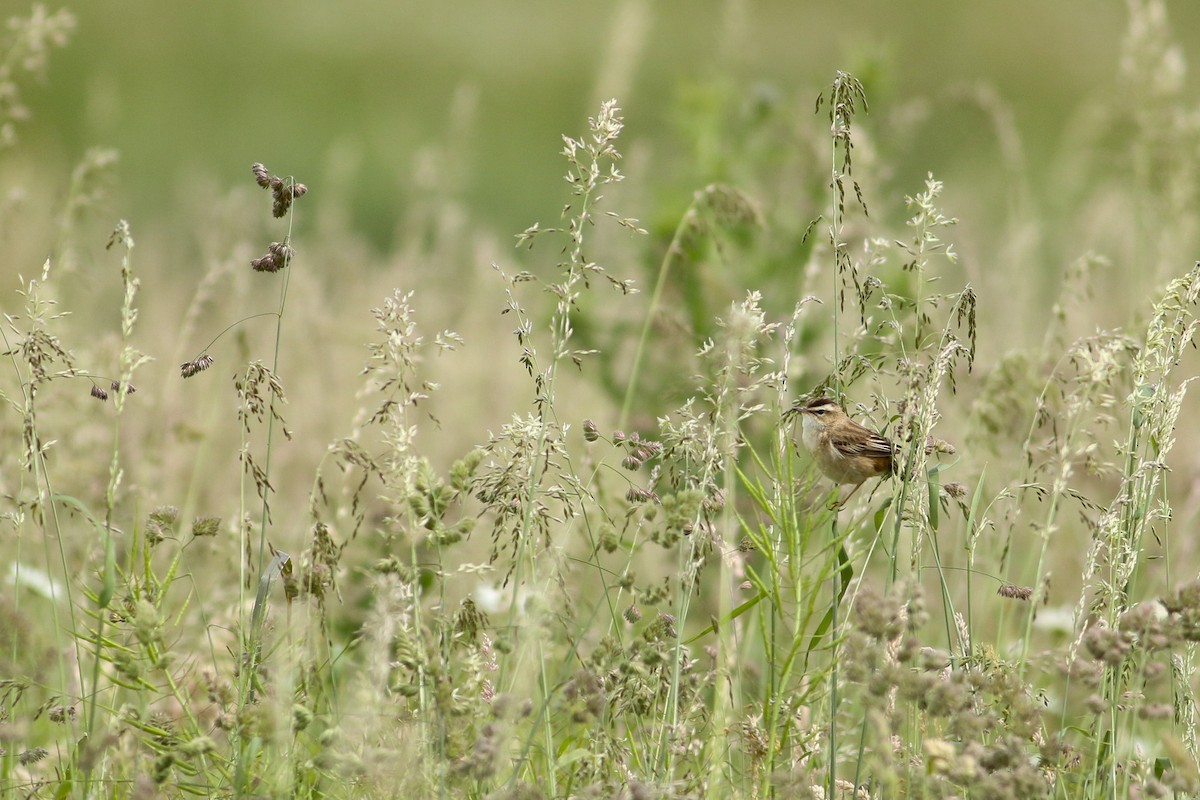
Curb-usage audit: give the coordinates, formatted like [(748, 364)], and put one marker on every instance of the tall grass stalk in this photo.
[(667, 612), (592, 162), (130, 360), (845, 95), (33, 356)]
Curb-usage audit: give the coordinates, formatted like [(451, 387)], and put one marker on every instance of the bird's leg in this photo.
[(837, 505)]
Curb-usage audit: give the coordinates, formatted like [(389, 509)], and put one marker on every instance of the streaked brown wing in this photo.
[(873, 446)]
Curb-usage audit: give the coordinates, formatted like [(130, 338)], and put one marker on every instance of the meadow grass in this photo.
[(323, 584)]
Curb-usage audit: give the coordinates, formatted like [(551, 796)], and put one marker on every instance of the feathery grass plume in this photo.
[(695, 454), (1139, 508), (422, 516), (925, 223), (532, 494), (395, 388), (537, 439), (846, 94), (26, 50), (39, 357), (130, 359), (259, 390)]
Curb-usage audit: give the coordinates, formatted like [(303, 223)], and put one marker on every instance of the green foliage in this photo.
[(661, 603)]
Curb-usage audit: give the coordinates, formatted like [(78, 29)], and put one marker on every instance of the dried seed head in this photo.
[(116, 387), (278, 256), (61, 714), (196, 366), (99, 393), (636, 494), (632, 614), (1014, 592), (647, 449), (956, 489), (283, 192), (631, 463), (261, 175), (206, 526), (283, 197), (590, 433)]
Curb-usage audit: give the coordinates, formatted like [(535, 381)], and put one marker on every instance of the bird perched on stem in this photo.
[(845, 451)]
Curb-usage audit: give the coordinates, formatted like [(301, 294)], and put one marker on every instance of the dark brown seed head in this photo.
[(1014, 592), (196, 366), (261, 176)]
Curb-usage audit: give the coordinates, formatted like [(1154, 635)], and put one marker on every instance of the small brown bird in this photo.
[(845, 451)]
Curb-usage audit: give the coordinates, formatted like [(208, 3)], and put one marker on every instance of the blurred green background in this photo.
[(204, 89), (429, 135)]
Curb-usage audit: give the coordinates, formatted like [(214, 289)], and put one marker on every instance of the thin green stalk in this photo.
[(46, 499), (972, 523), (587, 177), (249, 645), (833, 673), (835, 237), (287, 273)]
